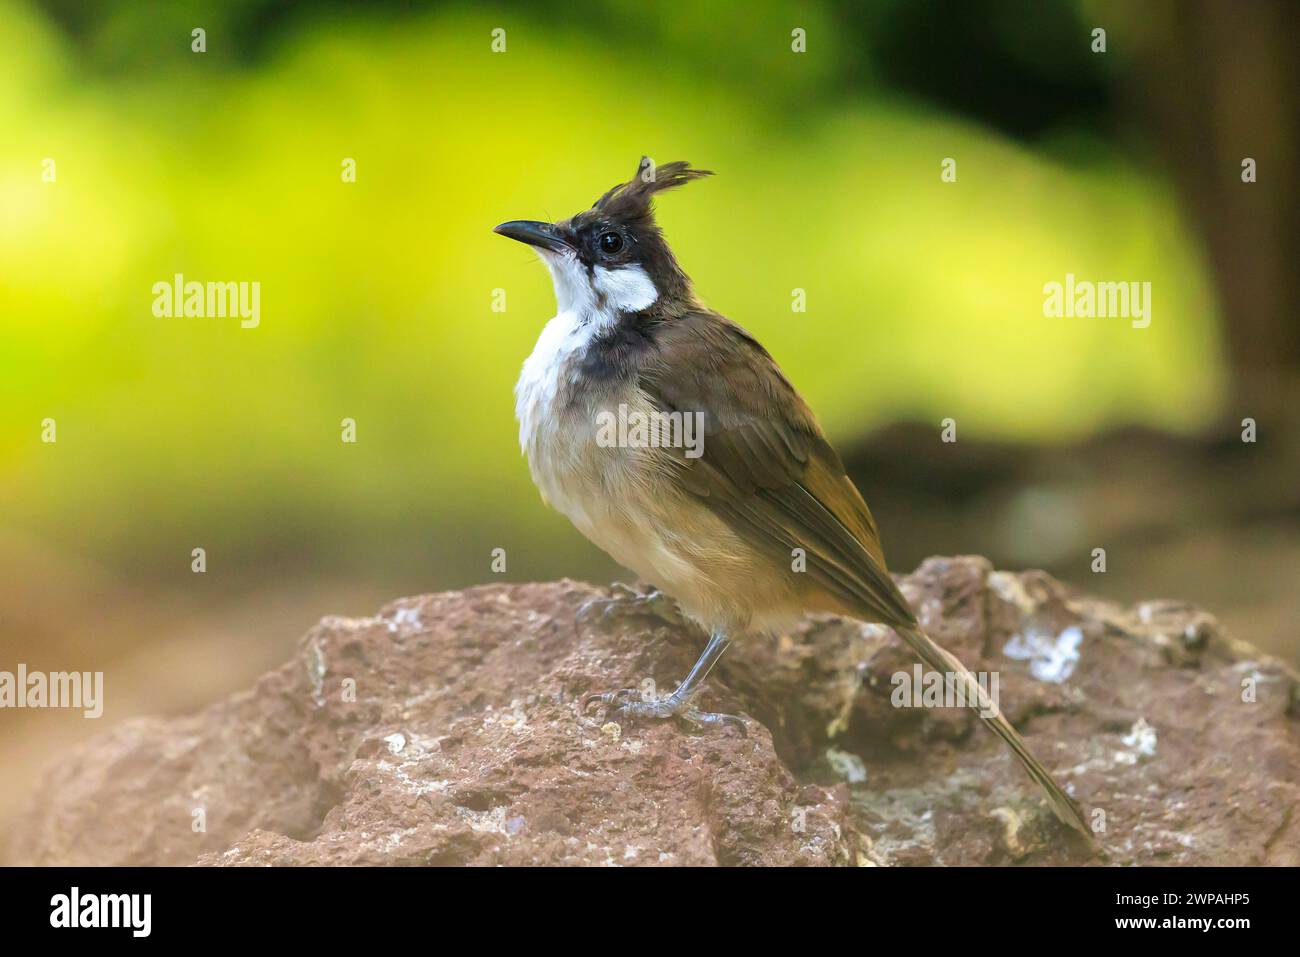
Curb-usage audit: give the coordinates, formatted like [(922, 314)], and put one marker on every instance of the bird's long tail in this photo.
[(942, 661)]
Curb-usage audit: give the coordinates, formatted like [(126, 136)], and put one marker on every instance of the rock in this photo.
[(446, 730)]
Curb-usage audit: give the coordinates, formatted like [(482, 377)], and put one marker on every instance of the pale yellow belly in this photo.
[(627, 507), (626, 502)]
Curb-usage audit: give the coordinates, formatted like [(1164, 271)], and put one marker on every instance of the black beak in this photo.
[(534, 234)]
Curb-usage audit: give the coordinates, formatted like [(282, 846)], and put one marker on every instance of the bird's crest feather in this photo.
[(631, 201)]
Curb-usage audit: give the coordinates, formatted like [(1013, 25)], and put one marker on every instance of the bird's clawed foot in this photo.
[(627, 703), (652, 603)]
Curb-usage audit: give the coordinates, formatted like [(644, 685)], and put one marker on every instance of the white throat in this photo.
[(598, 295), (589, 303)]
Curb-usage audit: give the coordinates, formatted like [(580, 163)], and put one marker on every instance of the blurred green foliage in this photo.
[(924, 298)]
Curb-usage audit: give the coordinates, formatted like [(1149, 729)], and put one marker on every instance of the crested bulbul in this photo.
[(716, 530)]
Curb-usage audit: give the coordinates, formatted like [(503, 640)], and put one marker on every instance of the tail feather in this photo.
[(1063, 806)]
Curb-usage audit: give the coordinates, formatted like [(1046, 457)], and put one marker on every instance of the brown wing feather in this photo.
[(767, 468)]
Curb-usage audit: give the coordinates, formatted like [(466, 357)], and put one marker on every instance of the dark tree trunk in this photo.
[(1221, 82)]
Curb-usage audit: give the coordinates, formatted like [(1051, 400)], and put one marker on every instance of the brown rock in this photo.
[(446, 731)]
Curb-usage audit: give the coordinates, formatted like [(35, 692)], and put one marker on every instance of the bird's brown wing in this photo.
[(767, 470), (766, 467)]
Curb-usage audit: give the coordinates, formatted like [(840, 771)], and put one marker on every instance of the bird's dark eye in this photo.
[(610, 243)]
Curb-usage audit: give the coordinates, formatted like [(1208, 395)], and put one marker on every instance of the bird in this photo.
[(713, 527)]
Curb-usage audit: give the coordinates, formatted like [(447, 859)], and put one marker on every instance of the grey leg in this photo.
[(678, 704)]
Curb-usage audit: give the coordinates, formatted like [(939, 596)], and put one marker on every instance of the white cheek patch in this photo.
[(604, 291), (627, 289)]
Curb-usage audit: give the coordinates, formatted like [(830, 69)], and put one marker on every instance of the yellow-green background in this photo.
[(924, 298)]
